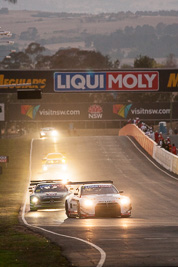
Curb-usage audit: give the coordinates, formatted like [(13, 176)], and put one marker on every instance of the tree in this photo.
[(43, 62), (35, 57), (126, 66), (171, 61), (116, 64), (144, 62), (75, 58), (17, 60), (34, 51)]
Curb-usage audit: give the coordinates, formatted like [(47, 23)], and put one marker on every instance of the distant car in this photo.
[(55, 165), (48, 132), (47, 195), (97, 199), (55, 155), (54, 161)]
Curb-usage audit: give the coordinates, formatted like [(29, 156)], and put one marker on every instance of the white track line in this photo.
[(173, 177), (103, 254)]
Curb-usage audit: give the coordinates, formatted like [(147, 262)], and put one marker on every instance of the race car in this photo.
[(55, 165), (48, 132), (47, 194), (97, 199), (55, 155), (54, 162)]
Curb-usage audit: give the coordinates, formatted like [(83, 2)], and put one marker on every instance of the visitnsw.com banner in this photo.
[(92, 111)]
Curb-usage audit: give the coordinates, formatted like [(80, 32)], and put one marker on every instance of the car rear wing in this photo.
[(35, 182)]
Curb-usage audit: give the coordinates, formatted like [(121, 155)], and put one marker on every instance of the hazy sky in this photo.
[(91, 6)]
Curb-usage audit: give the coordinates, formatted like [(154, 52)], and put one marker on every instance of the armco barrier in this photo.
[(163, 157), (175, 164), (142, 139)]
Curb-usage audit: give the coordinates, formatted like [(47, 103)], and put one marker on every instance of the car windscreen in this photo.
[(47, 129), (98, 189), (50, 188), (54, 156)]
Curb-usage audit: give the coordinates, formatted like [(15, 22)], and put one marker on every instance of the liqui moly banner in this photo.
[(106, 81), (56, 81)]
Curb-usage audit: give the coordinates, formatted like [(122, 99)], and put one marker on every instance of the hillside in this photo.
[(61, 30)]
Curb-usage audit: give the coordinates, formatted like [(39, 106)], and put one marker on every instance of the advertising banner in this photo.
[(4, 159), (145, 111), (11, 80), (55, 81), (92, 111), (107, 81)]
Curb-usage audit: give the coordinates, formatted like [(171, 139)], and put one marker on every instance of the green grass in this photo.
[(18, 245)]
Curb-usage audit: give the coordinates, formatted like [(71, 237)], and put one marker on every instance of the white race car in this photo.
[(98, 199)]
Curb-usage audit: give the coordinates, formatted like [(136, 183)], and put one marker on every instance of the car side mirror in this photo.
[(121, 191)]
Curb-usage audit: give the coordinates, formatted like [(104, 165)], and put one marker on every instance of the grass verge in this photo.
[(18, 245)]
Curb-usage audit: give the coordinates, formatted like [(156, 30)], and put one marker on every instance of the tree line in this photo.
[(35, 57)]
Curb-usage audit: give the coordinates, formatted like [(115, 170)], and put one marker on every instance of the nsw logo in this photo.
[(29, 110), (121, 110), (95, 112)]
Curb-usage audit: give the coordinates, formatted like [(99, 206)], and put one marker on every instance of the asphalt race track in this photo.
[(148, 238)]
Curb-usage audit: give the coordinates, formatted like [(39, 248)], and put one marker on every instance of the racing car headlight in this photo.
[(45, 168), (125, 201), (42, 133), (54, 133), (64, 180), (88, 203), (64, 167), (63, 161), (34, 200)]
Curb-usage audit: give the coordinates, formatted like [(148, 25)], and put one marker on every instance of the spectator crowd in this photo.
[(155, 136)]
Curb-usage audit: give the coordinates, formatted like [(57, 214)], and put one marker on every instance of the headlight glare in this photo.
[(64, 180), (64, 167), (88, 203), (34, 200), (125, 201), (45, 168), (54, 133)]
